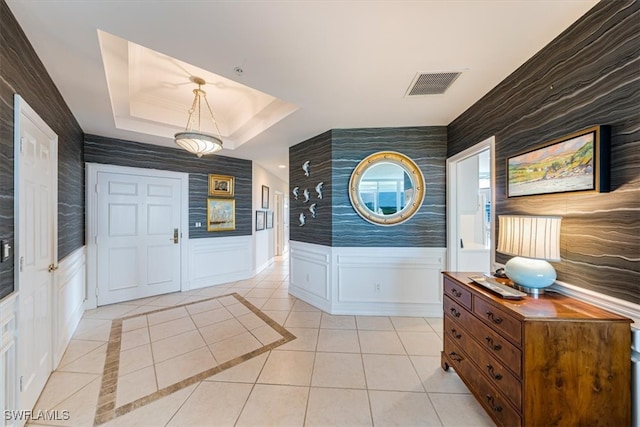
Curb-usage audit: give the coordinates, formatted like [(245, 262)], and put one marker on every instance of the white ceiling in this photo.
[(332, 64), (152, 93)]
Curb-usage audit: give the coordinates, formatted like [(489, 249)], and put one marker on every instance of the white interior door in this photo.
[(138, 236), (37, 201)]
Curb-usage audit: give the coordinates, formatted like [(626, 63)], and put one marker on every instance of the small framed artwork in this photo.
[(260, 220), (576, 162), (221, 214), (265, 197), (220, 185), (269, 219)]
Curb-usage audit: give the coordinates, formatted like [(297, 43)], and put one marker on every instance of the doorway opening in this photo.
[(470, 208), (278, 223)]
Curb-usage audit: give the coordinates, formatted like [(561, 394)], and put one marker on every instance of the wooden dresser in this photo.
[(546, 361)]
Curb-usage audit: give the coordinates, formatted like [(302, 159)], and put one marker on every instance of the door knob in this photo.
[(176, 237), (52, 268)]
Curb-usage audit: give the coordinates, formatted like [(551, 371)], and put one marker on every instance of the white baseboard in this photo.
[(310, 298), (264, 265)]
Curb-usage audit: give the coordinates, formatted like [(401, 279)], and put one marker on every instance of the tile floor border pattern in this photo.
[(106, 409)]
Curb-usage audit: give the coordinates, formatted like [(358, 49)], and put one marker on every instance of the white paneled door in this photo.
[(37, 200), (138, 236)]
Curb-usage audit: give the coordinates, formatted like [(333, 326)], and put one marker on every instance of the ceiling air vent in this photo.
[(432, 83)]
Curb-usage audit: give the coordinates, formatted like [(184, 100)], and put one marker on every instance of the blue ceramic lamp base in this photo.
[(530, 275)]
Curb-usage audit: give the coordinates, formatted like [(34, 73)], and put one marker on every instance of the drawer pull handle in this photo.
[(492, 403), (496, 347), (493, 374), (455, 333), (496, 320), (455, 356), (455, 312), (456, 293)]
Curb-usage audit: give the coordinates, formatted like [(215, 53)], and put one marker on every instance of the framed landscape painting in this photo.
[(576, 162), (221, 214)]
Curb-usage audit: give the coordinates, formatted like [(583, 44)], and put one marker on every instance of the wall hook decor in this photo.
[(312, 209), (295, 192), (305, 193), (306, 167), (302, 219)]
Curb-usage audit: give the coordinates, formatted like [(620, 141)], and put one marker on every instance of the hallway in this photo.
[(249, 354)]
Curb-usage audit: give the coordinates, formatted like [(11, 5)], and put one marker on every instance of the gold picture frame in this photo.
[(221, 214), (220, 185)]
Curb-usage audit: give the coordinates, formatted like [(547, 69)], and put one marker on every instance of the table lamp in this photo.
[(533, 240)]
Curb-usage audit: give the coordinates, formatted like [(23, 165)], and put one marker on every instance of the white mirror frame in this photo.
[(409, 167)]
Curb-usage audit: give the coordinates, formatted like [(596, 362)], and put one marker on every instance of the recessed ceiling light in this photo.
[(282, 166)]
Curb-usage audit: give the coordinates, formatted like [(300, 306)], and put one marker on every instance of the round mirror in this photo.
[(386, 188)]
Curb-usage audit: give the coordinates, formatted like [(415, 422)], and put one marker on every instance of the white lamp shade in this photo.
[(535, 237)]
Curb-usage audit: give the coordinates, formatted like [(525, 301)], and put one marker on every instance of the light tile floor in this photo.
[(338, 371)]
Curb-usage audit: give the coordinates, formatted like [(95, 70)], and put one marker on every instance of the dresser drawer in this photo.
[(502, 378), (502, 349), (498, 319), (457, 293), (456, 311), (495, 403), (496, 345)]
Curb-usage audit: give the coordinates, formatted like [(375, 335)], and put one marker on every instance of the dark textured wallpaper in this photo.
[(111, 151), (426, 146), (22, 72), (589, 75), (334, 155), (317, 151)]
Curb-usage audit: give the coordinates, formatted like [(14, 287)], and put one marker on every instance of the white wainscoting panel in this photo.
[(8, 354), (68, 300), (388, 281), (309, 275), (263, 244), (220, 260), (368, 281)]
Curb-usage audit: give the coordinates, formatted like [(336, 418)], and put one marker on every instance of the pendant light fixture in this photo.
[(193, 139)]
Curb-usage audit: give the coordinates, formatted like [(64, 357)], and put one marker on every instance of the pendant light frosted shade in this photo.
[(192, 138), (198, 143)]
